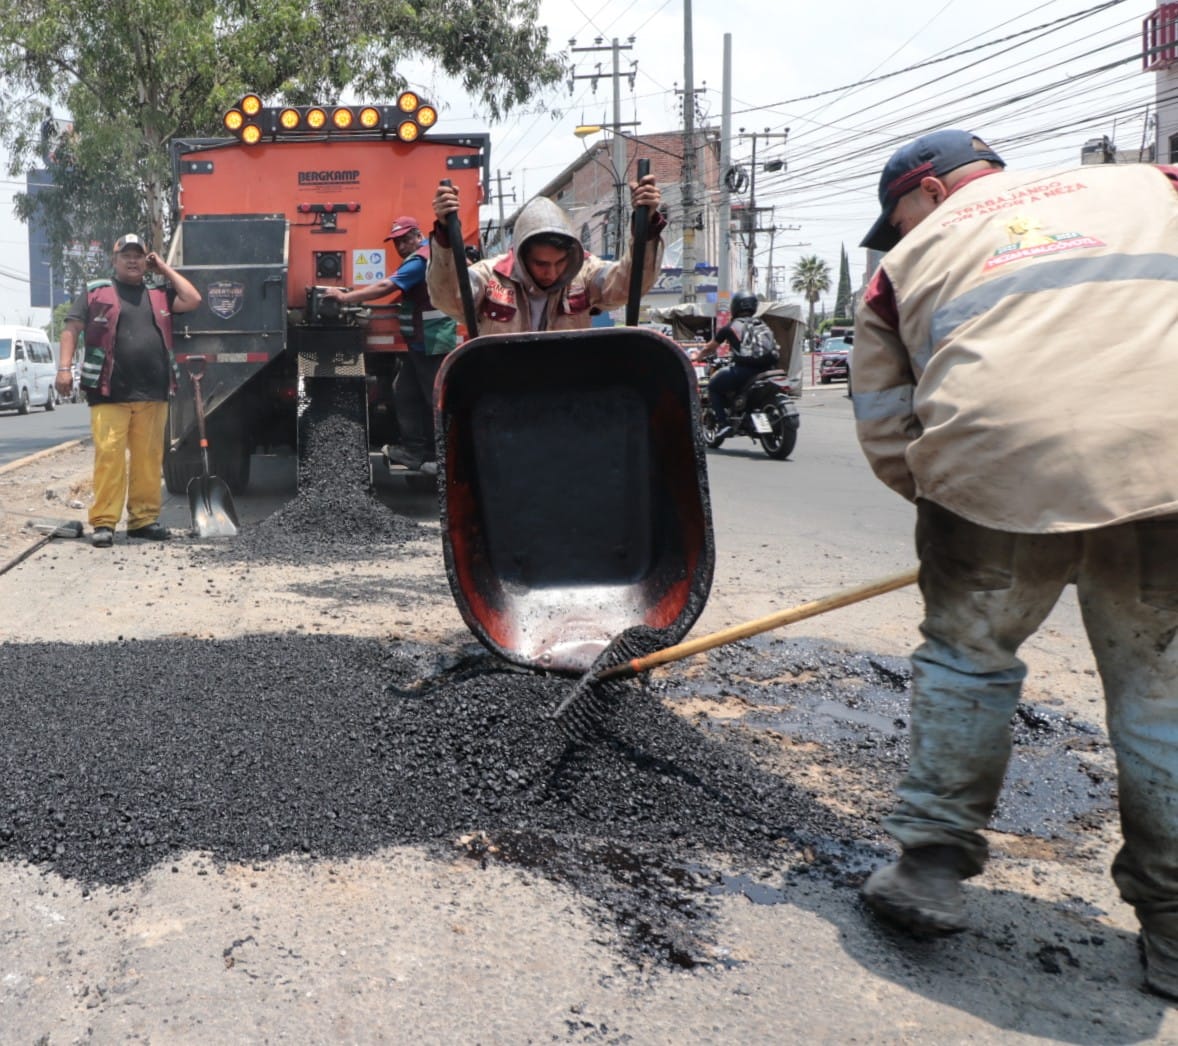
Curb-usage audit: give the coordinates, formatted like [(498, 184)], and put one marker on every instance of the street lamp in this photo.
[(587, 130)]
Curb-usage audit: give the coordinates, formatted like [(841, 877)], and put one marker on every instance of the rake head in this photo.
[(598, 695)]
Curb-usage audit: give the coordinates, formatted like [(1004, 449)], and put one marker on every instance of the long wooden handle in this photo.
[(763, 624)]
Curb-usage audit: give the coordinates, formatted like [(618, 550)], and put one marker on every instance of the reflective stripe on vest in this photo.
[(1056, 275)]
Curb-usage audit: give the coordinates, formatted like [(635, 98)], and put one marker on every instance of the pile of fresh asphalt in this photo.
[(334, 512), (333, 746)]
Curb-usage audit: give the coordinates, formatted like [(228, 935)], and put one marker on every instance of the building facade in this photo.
[(598, 203)]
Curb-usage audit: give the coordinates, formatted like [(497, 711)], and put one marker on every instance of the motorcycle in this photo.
[(763, 410)]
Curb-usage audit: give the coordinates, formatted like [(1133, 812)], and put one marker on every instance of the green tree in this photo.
[(811, 279), (130, 75), (57, 321), (842, 300)]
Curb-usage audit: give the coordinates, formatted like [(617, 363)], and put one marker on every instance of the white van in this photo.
[(27, 369)]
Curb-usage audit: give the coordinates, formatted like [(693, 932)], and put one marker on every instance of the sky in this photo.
[(850, 79)]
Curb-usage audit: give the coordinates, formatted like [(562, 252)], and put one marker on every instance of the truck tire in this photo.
[(228, 462), (180, 467), (231, 462)]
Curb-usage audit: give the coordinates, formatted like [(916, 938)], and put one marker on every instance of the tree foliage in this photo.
[(810, 278), (127, 76), (842, 299)]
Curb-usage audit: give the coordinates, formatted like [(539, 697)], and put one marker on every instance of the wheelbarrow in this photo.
[(573, 488)]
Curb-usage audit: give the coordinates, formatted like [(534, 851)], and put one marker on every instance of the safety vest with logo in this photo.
[(1016, 357), (421, 324), (102, 324)]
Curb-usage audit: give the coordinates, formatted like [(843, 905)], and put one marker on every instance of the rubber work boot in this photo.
[(150, 532), (1160, 954), (103, 537), (400, 456), (921, 892)]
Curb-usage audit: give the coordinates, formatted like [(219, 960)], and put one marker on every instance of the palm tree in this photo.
[(811, 279)]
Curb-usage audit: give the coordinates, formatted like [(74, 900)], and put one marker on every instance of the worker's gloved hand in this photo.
[(334, 292)]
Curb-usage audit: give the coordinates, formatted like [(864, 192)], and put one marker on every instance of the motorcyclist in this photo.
[(748, 360)]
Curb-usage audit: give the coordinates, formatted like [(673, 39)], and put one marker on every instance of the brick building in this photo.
[(588, 191)]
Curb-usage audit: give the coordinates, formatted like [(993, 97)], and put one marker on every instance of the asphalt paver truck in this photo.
[(292, 201)]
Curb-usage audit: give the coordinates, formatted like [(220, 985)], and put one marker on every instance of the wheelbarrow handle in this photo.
[(638, 257), (454, 231)]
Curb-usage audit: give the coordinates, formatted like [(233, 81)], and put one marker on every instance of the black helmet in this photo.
[(743, 304)]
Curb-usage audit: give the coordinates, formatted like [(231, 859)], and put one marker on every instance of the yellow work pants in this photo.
[(121, 431)]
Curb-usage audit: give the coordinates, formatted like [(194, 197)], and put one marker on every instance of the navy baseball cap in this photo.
[(933, 154)]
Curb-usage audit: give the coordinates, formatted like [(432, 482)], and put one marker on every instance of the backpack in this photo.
[(757, 342)]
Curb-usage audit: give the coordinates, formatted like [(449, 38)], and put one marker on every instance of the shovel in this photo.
[(589, 703), (213, 512), (73, 529)]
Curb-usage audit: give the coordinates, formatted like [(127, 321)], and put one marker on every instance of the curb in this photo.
[(48, 452)]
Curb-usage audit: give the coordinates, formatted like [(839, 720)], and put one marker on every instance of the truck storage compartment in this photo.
[(238, 264)]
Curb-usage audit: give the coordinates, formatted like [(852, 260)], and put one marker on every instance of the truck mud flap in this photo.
[(574, 496)]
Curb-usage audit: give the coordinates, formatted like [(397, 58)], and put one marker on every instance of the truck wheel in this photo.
[(180, 466), (231, 462), (51, 399), (23, 407)]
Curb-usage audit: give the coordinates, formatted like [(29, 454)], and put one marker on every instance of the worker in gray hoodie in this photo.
[(547, 281)]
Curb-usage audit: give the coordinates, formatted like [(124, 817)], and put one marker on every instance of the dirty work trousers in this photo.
[(985, 592), (413, 397), (122, 430)]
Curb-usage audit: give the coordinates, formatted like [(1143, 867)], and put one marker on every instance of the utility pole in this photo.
[(724, 263), (501, 238), (688, 171), (619, 143), (767, 135), (769, 290)]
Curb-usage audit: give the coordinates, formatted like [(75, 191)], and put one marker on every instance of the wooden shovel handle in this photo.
[(843, 598)]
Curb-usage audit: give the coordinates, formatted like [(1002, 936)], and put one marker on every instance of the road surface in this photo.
[(257, 876)]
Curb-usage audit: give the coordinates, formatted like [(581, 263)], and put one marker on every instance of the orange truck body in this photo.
[(261, 230)]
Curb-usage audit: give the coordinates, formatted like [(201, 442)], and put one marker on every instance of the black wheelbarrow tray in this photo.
[(573, 490)]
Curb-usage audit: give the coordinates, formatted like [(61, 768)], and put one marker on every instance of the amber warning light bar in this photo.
[(252, 122)]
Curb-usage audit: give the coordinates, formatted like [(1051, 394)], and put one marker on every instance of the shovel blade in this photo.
[(213, 513)]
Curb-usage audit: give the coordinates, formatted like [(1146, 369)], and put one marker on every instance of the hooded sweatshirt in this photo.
[(506, 298)]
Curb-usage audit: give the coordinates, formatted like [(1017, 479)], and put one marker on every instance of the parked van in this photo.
[(27, 370)]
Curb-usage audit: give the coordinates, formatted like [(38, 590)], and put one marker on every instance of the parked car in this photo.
[(27, 370), (835, 362)]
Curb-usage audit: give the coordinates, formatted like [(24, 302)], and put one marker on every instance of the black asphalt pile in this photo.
[(255, 748), (335, 746), (334, 507)]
